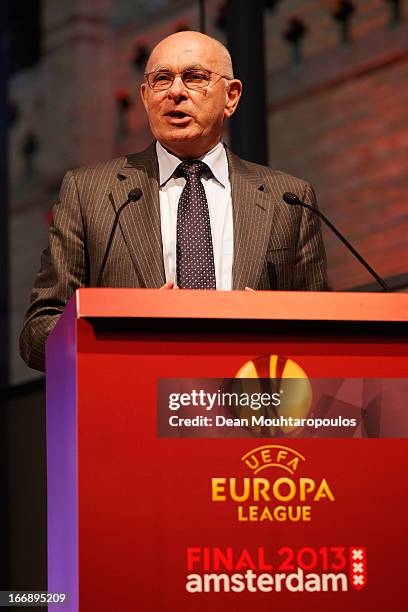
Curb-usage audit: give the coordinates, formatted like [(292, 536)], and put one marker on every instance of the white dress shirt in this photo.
[(218, 192)]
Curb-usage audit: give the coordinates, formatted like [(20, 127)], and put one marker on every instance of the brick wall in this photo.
[(339, 119)]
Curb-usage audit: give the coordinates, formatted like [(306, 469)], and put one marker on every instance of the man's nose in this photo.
[(177, 89)]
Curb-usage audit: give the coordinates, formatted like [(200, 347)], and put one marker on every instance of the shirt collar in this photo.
[(216, 160)]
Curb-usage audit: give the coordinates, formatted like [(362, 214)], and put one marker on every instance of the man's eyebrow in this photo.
[(188, 67), (195, 65), (161, 68)]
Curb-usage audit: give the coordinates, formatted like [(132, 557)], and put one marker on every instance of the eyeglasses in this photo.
[(161, 80)]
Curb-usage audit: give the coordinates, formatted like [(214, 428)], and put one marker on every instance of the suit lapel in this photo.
[(140, 221), (252, 209)]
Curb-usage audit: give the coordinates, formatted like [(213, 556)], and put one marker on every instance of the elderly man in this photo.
[(203, 218)]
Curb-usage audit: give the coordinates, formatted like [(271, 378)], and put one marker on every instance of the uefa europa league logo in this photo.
[(273, 374)]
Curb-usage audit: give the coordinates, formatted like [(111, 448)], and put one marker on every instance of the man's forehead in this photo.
[(181, 56)]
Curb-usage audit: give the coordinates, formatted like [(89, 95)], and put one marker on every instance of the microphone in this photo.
[(133, 196), (293, 200)]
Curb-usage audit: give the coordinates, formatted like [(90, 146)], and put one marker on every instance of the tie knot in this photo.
[(192, 168)]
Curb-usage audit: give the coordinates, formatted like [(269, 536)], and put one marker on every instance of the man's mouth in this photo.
[(178, 117), (177, 114)]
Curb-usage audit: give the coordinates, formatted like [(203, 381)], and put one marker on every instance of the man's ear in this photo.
[(234, 92), (143, 94)]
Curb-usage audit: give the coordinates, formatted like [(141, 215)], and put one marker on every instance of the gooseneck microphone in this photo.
[(133, 196), (293, 200)]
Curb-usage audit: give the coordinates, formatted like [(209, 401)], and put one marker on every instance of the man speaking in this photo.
[(192, 214)]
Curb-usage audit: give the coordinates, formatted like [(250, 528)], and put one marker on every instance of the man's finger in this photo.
[(168, 285)]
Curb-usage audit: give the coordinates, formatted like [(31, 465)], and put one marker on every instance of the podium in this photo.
[(142, 522)]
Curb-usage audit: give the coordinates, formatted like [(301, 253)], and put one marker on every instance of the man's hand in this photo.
[(170, 285)]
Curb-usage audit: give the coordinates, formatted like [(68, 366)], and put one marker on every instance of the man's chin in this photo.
[(180, 141), (181, 134), (185, 143)]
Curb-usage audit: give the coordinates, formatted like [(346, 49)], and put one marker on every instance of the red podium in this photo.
[(142, 522)]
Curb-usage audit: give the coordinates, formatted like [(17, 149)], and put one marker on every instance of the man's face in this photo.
[(189, 122)]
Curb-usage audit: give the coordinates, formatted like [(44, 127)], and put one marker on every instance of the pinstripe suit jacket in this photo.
[(276, 246)]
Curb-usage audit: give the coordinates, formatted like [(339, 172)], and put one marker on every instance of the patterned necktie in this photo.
[(195, 257)]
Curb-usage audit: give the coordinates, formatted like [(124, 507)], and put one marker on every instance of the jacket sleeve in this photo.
[(310, 273), (63, 269)]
